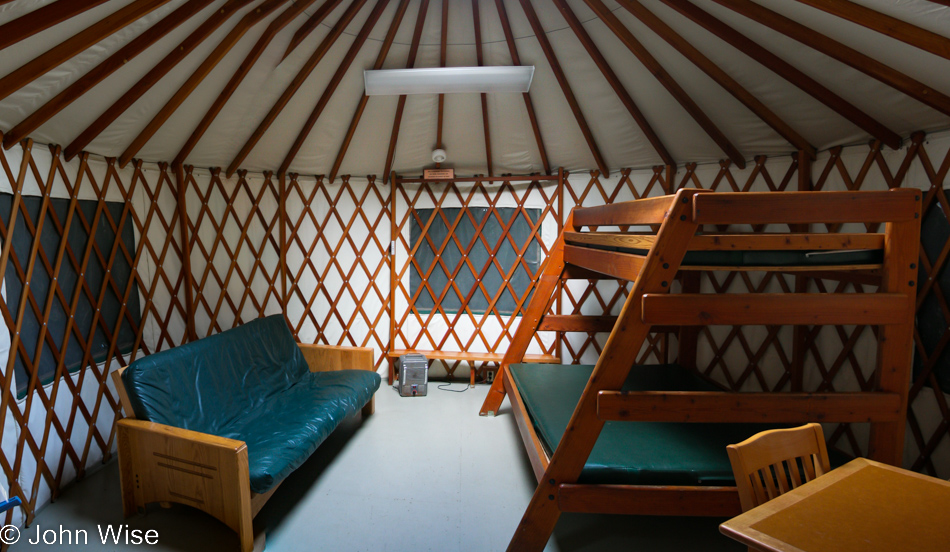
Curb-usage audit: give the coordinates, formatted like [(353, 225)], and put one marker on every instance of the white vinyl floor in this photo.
[(421, 474)]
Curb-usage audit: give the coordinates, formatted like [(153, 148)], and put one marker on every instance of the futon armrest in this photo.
[(330, 358), (156, 431), (160, 463)]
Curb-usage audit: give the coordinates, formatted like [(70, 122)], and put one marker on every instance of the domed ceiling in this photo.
[(277, 85)]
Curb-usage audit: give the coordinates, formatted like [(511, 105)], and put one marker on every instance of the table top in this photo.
[(863, 506)]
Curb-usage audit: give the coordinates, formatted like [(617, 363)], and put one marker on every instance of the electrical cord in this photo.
[(445, 387)]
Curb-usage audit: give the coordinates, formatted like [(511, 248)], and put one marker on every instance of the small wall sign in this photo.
[(438, 174)]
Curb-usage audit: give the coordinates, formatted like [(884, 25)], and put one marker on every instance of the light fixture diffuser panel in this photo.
[(448, 80)]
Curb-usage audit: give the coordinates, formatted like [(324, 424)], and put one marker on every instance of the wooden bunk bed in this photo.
[(583, 467)]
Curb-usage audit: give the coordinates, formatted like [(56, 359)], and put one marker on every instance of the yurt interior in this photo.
[(475, 275)]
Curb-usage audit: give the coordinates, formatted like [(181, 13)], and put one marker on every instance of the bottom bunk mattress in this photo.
[(634, 453)]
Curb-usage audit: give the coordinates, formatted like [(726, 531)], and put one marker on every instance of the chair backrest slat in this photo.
[(821, 468), (809, 463), (795, 471), (757, 486), (782, 475)]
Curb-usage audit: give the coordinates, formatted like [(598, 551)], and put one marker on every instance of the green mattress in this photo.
[(769, 258), (634, 453)]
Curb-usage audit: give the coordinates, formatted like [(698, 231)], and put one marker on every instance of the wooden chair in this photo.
[(773, 462)]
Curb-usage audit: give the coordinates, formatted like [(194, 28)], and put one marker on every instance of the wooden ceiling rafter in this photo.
[(565, 85), (479, 58), (786, 70), (295, 84), (151, 78), (334, 82), (716, 73), (304, 31), (443, 50), (614, 81), (67, 49), (845, 54), (249, 20), (529, 105), (380, 59), (401, 104), (281, 21), (652, 65), (96, 75), (885, 24), (41, 19)]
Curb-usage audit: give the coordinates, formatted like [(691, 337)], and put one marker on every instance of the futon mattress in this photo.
[(634, 453)]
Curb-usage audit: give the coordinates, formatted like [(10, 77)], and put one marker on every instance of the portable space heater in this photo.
[(413, 375)]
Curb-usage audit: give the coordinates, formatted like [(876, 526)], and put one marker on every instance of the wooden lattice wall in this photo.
[(334, 282), (335, 287), (337, 251), (234, 241), (57, 431)]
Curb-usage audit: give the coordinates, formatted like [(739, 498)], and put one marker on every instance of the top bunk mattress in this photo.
[(634, 453), (765, 258)]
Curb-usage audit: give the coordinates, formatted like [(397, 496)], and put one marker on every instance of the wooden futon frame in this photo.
[(680, 219), (165, 464)]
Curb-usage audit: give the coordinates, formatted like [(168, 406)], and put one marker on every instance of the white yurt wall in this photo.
[(336, 284)]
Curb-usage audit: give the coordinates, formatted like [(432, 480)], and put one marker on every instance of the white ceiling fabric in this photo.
[(513, 145)]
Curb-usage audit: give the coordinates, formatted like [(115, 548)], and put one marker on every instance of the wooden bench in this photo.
[(462, 355)]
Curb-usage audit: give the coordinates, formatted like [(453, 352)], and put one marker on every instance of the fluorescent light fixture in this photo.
[(448, 80)]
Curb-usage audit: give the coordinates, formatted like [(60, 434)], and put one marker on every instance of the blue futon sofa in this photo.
[(218, 423)]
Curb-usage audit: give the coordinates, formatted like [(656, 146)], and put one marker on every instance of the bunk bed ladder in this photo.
[(545, 291)]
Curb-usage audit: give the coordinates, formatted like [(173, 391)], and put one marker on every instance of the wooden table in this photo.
[(863, 506)]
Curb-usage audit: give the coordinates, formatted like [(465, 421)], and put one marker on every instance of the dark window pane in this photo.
[(477, 231), (110, 302)]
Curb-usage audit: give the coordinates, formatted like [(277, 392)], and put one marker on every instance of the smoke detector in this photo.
[(438, 155)]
